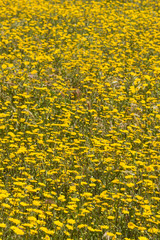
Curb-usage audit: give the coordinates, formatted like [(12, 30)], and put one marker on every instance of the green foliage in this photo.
[(79, 120)]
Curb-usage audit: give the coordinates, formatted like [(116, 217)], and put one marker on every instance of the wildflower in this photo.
[(17, 230), (131, 225), (16, 221), (143, 238), (3, 225), (71, 221), (108, 235), (58, 223)]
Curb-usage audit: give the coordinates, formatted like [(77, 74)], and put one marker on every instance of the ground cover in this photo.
[(79, 120)]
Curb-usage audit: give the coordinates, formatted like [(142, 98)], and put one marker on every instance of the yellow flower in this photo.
[(71, 221), (81, 226), (143, 238), (130, 185), (70, 227), (131, 225), (58, 223), (47, 238), (17, 230), (16, 221), (44, 229), (3, 225)]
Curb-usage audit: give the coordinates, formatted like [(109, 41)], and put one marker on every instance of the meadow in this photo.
[(79, 119)]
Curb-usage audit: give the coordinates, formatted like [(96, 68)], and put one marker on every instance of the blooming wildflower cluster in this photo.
[(79, 119)]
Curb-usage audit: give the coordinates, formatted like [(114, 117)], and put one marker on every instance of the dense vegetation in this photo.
[(79, 119)]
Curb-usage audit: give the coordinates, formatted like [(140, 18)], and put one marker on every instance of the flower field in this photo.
[(79, 119)]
